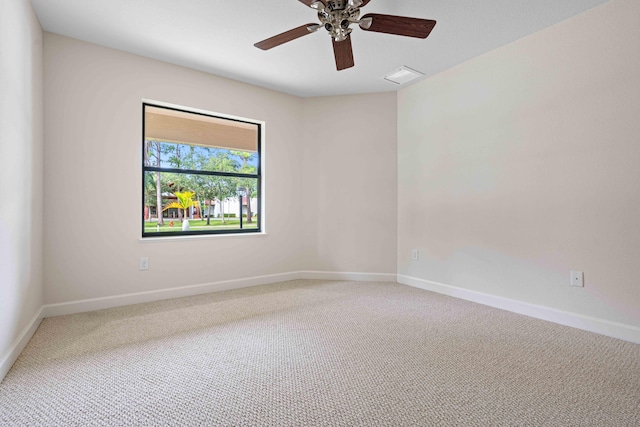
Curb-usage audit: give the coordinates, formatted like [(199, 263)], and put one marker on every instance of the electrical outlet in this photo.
[(577, 279), (144, 263), (414, 254)]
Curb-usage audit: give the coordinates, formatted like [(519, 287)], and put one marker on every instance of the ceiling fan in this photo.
[(336, 16)]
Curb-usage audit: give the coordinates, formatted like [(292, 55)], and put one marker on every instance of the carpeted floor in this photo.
[(319, 353)]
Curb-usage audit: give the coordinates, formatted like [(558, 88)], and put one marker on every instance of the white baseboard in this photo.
[(81, 306), (592, 324), (356, 277), (9, 358)]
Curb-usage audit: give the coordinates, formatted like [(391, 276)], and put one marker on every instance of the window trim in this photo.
[(260, 229)]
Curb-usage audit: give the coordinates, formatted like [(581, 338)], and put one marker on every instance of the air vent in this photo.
[(403, 75)]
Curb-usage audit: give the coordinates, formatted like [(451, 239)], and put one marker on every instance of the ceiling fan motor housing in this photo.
[(337, 17)]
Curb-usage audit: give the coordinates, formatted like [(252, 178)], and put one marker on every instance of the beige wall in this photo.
[(92, 178), (93, 99), (350, 180), (20, 169), (521, 165)]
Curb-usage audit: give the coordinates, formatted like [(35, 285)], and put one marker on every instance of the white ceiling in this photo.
[(217, 36)]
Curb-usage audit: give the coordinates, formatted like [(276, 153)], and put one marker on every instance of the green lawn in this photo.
[(198, 224)]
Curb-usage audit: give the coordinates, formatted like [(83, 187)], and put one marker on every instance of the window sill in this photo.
[(200, 237)]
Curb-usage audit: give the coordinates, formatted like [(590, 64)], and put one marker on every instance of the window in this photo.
[(201, 173)]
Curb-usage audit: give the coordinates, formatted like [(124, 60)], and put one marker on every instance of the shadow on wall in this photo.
[(10, 297)]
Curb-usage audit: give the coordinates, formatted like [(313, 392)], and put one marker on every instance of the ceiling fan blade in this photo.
[(343, 53), (364, 3), (311, 2), (399, 25), (287, 36)]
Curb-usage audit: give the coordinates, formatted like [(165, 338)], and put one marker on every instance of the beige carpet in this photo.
[(319, 353)]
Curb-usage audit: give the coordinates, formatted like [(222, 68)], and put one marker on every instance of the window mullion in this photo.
[(198, 172)]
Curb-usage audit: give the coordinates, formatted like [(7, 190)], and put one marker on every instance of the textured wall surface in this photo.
[(93, 100), (350, 178), (521, 165)]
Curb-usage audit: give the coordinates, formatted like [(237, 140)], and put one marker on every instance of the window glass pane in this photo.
[(209, 203), (185, 156)]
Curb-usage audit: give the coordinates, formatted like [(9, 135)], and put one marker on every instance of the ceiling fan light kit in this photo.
[(337, 16)]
